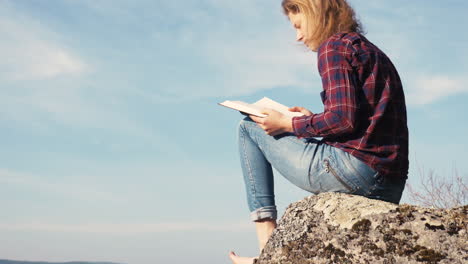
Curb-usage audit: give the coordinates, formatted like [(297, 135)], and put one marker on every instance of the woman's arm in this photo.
[(340, 99)]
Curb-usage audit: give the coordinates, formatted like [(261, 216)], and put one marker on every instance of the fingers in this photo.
[(295, 109), (261, 123), (274, 133), (267, 111), (300, 109), (257, 119), (268, 131), (271, 124)]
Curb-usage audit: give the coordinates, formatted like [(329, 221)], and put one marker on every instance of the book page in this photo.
[(256, 108), (244, 107), (266, 102)]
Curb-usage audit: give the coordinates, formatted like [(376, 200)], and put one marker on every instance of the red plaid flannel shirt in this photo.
[(364, 105)]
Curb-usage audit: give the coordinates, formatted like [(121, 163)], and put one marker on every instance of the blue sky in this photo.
[(113, 146)]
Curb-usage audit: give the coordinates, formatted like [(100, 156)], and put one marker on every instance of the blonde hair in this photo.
[(324, 18)]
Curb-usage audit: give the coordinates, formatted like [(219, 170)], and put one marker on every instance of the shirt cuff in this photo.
[(301, 125)]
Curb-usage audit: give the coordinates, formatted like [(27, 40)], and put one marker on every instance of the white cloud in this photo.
[(428, 89), (216, 48), (29, 52), (54, 62), (410, 44), (241, 48)]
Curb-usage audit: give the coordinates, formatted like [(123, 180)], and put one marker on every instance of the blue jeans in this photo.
[(307, 163)]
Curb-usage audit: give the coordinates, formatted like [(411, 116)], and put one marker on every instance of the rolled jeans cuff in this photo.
[(264, 213)]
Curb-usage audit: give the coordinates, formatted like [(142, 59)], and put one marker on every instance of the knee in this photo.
[(244, 127), (245, 122)]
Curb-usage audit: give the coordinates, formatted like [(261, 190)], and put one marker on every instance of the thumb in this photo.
[(295, 109), (266, 111)]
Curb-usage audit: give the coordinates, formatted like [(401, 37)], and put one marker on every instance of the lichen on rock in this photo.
[(342, 228)]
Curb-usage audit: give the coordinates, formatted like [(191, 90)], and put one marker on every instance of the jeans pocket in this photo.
[(330, 177)]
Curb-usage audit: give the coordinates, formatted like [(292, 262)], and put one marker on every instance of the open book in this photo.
[(256, 108)]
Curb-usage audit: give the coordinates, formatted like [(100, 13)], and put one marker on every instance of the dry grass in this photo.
[(439, 192)]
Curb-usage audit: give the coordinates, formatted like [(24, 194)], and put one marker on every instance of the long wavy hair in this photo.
[(324, 18)]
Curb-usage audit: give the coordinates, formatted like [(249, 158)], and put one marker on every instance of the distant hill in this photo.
[(6, 261)]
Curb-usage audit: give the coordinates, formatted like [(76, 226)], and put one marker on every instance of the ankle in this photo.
[(265, 227), (262, 244), (264, 231)]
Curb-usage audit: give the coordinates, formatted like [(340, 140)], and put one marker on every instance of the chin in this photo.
[(312, 47)]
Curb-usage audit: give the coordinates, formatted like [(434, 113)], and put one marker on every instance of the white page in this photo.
[(244, 107), (266, 102), (256, 108)]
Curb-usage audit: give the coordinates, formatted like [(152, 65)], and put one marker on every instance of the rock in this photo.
[(342, 228)]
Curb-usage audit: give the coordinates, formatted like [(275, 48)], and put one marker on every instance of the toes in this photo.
[(233, 256)]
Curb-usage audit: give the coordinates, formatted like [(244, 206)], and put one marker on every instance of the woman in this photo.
[(364, 146)]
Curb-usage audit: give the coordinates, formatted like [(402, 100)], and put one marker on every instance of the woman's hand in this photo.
[(275, 123), (300, 109)]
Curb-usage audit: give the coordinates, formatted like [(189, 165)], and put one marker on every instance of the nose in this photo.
[(299, 35)]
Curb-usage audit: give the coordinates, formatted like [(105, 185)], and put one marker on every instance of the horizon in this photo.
[(9, 261)]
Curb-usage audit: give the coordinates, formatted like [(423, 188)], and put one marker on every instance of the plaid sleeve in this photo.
[(339, 97)]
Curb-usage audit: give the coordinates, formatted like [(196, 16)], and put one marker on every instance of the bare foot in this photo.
[(240, 260)]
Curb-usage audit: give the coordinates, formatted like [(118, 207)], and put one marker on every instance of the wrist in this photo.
[(288, 126)]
